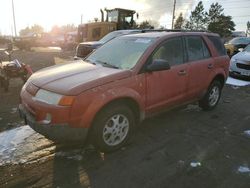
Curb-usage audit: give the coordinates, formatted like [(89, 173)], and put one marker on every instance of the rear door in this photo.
[(201, 66), (167, 87)]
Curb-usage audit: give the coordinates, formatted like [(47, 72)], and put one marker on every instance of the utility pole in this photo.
[(81, 18), (173, 14), (14, 18)]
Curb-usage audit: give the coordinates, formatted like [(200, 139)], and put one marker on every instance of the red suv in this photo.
[(123, 82)]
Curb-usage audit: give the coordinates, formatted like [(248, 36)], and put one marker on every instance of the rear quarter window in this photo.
[(218, 45), (196, 48)]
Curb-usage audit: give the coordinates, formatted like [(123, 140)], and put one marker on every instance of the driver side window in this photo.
[(171, 51)]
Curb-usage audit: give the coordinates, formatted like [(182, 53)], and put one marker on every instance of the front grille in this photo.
[(243, 66)]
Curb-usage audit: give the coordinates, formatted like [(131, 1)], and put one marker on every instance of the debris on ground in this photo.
[(192, 108), (195, 164), (72, 155), (13, 110), (227, 100)]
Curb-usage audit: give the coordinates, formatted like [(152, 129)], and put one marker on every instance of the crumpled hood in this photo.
[(242, 56), (74, 78)]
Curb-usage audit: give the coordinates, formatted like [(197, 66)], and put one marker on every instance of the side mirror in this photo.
[(158, 65)]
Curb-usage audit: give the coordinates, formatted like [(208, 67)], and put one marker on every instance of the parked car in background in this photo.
[(85, 48), (128, 79), (240, 64), (235, 44)]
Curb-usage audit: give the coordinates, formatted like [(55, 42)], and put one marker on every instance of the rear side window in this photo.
[(218, 45), (196, 48)]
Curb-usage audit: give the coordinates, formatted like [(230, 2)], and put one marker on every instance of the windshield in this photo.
[(240, 40), (110, 36), (247, 49), (121, 53), (113, 16)]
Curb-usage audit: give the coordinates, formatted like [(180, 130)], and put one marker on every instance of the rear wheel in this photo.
[(212, 97), (112, 128)]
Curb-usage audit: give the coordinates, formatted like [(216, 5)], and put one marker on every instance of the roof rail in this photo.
[(172, 30)]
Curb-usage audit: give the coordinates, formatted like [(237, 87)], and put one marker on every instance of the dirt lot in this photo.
[(185, 147)]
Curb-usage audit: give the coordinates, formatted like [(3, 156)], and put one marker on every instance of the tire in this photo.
[(112, 128), (212, 97)]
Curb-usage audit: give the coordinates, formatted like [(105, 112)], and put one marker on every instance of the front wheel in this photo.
[(212, 97), (112, 128)]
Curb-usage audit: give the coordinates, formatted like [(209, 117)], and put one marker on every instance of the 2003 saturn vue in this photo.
[(126, 80)]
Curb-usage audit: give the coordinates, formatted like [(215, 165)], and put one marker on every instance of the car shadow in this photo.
[(70, 163)]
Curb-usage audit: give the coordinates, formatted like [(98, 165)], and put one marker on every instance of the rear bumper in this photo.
[(62, 133)]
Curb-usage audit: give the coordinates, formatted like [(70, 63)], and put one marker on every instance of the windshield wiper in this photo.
[(105, 64), (88, 61)]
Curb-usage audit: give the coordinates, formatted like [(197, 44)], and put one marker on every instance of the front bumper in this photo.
[(236, 74), (62, 133)]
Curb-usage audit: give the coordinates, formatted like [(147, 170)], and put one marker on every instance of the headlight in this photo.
[(233, 60), (53, 98)]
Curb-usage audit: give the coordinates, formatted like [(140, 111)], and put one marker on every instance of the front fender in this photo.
[(101, 100)]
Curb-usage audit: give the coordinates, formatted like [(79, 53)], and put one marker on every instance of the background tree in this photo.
[(68, 28), (197, 19), (35, 29), (223, 26), (248, 28), (179, 22), (218, 22), (145, 25), (214, 20), (214, 12), (60, 30)]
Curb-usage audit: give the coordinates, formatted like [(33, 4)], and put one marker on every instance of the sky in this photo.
[(48, 13)]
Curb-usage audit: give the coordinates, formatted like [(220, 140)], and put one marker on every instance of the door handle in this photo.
[(210, 66), (182, 72)]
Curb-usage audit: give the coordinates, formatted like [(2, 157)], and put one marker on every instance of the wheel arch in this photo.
[(128, 101), (220, 78), (125, 96)]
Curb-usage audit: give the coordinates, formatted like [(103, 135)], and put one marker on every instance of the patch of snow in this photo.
[(247, 133), (20, 145), (243, 169), (236, 82)]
